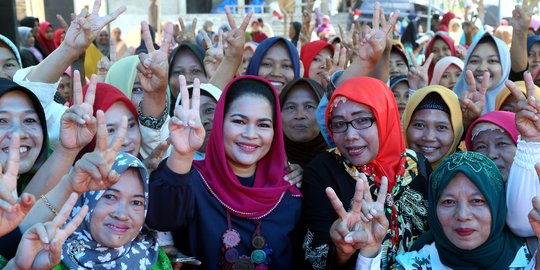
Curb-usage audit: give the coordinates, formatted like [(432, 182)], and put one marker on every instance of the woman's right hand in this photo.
[(94, 170), (185, 128), (41, 245), (352, 231), (528, 110), (78, 123)]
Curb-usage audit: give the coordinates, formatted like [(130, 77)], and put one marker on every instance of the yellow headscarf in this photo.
[(451, 100), (505, 93)]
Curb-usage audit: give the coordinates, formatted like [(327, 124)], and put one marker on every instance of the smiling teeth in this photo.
[(356, 150), (23, 149)]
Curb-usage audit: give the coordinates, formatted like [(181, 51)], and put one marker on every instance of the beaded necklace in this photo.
[(231, 259)]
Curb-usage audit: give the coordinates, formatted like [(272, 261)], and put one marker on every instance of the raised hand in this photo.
[(472, 101), (418, 74), (78, 125), (41, 245), (84, 29), (63, 22), (213, 56), (185, 128), (153, 69), (186, 36), (152, 161), (372, 42), (234, 40), (521, 15), (352, 230), (294, 174), (12, 210), (94, 170), (528, 109)]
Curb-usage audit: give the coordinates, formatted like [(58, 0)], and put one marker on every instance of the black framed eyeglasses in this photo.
[(358, 123)]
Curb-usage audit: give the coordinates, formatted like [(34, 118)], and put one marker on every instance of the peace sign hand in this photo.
[(234, 40), (185, 128), (78, 124), (472, 101), (213, 56), (371, 43), (84, 29), (418, 74), (521, 15), (41, 245), (353, 230), (186, 36), (528, 110), (12, 211), (94, 170), (307, 27), (153, 69)]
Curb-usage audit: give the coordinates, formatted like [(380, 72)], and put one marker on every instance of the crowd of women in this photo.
[(355, 151)]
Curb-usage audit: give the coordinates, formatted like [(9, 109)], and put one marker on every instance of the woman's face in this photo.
[(510, 104), (207, 111), (450, 76), (49, 33), (318, 65), (248, 132), (464, 213), (401, 94), (31, 40), (498, 146), (440, 49), (298, 114), (8, 63), (534, 57), (246, 58), (64, 87), (185, 63), (35, 29), (17, 114), (430, 133), (398, 66), (358, 146), (136, 92), (132, 140), (292, 32), (485, 58), (118, 215), (104, 37), (277, 67)]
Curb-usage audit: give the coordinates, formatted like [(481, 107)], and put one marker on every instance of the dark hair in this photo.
[(252, 87)]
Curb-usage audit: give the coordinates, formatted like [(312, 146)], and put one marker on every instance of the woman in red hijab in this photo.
[(363, 120), (313, 56), (46, 37), (440, 46), (232, 209)]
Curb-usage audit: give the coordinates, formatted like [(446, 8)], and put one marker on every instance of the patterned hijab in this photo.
[(268, 188), (451, 101), (501, 247), (81, 251), (504, 57)]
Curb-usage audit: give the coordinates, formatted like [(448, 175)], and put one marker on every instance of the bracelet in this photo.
[(49, 205)]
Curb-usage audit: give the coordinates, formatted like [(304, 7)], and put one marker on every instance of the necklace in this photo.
[(232, 259)]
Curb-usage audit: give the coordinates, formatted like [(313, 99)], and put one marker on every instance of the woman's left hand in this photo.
[(153, 69), (472, 102), (528, 110), (213, 56), (521, 15), (41, 245), (78, 123), (294, 175), (418, 74)]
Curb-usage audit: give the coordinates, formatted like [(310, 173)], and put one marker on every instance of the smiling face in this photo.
[(118, 215), (132, 140), (430, 133), (277, 67), (318, 65), (464, 213), (498, 146), (398, 66), (248, 132), (103, 37), (359, 146), (298, 114), (17, 114), (485, 57), (185, 63), (450, 76), (440, 49)]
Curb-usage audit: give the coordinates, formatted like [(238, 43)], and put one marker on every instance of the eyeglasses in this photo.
[(358, 123)]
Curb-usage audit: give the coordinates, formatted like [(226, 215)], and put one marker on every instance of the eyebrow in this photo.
[(245, 117), (118, 191), (27, 111)]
